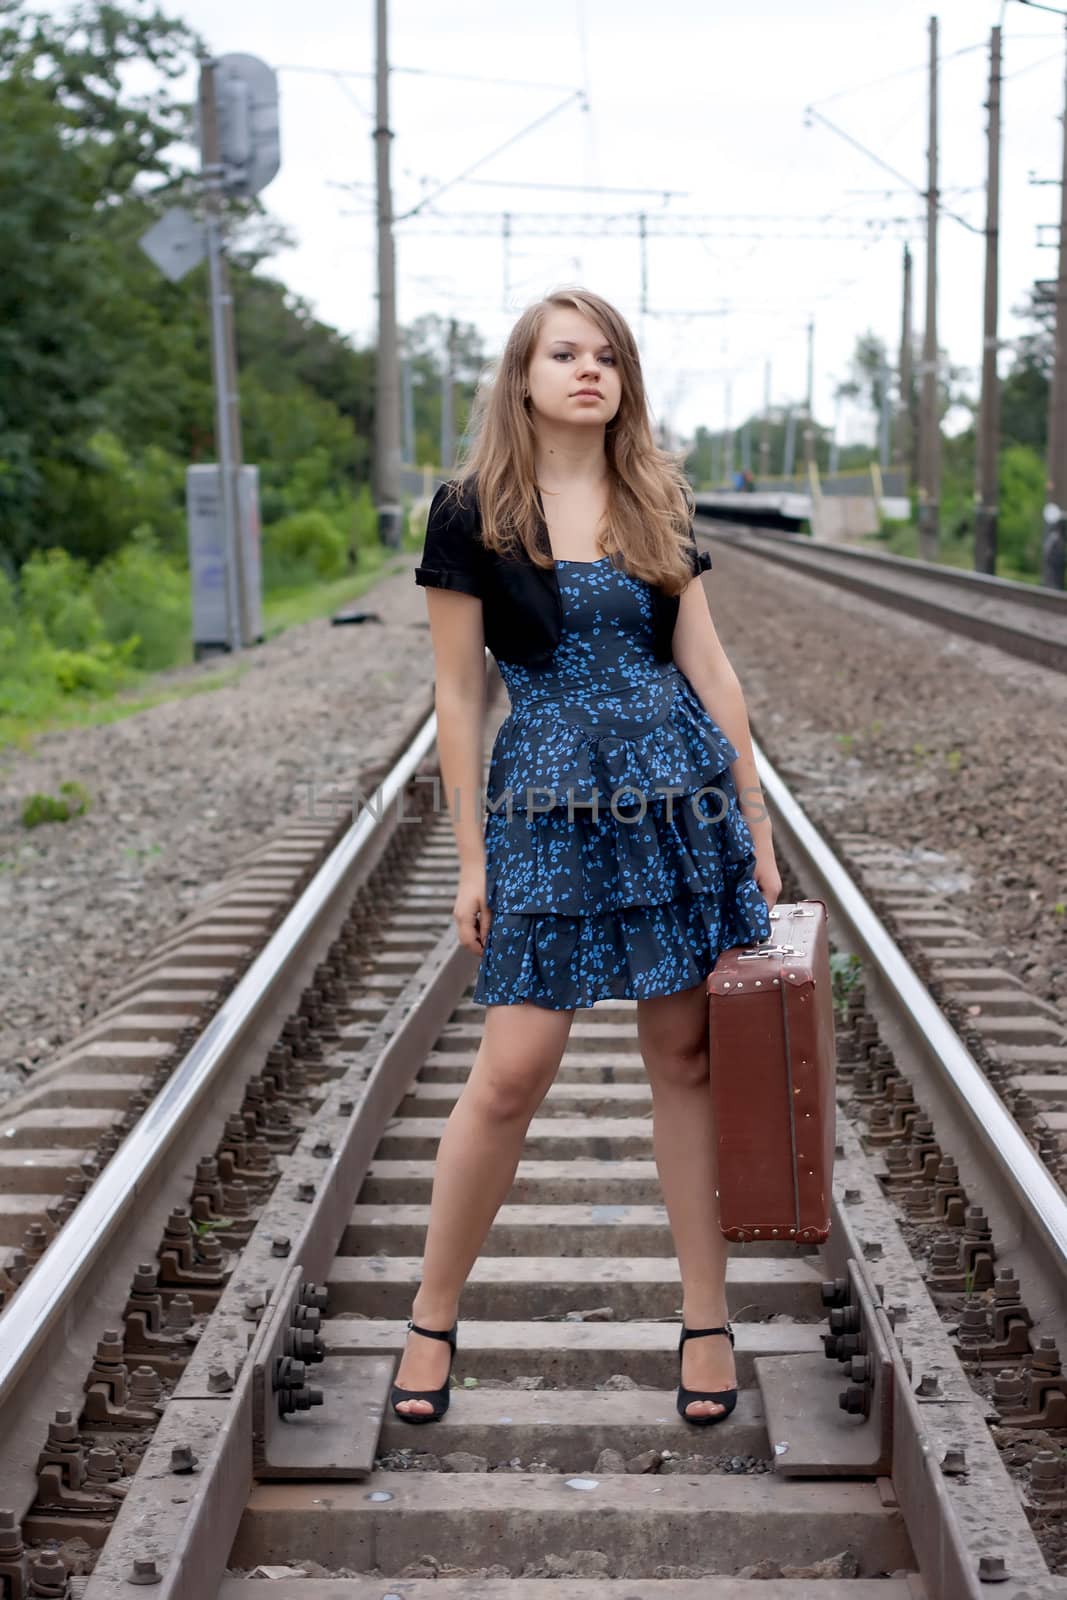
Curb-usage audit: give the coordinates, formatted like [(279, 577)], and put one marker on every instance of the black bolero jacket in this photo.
[(522, 612)]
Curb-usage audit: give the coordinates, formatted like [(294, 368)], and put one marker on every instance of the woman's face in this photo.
[(572, 355)]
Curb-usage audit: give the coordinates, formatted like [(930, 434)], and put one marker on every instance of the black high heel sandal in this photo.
[(439, 1398), (727, 1398)]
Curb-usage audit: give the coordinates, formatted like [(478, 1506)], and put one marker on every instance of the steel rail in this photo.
[(1036, 597), (78, 1288), (1045, 646), (1025, 1205)]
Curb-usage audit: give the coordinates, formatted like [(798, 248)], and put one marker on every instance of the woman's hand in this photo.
[(768, 878), (471, 913)]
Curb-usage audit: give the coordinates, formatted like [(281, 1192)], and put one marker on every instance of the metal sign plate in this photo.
[(176, 243)]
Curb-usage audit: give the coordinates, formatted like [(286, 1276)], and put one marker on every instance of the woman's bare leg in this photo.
[(672, 1032), (517, 1060)]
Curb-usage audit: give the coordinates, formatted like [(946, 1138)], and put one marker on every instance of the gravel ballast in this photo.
[(881, 724), (178, 793)]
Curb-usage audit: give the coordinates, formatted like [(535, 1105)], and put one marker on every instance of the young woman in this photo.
[(625, 843)]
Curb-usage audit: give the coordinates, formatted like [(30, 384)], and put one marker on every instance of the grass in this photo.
[(902, 539), (49, 710), (287, 608)]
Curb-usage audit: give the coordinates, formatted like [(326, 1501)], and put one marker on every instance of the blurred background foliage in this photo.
[(105, 371), (105, 379)]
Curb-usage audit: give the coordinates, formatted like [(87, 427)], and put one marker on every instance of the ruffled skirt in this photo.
[(618, 863)]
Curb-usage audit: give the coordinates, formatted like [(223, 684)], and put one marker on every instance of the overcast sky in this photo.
[(704, 98)]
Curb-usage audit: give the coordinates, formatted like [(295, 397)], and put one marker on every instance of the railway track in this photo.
[(1026, 620), (193, 1376)]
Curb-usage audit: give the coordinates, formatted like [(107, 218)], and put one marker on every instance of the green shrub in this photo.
[(9, 610), (304, 548), (139, 594), (95, 671), (1022, 499), (72, 801), (54, 595)]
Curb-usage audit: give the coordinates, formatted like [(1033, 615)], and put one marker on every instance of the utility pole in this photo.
[(929, 421), (387, 385), (765, 426), (223, 359), (746, 444), (809, 423), (987, 483), (728, 441), (907, 433), (883, 416), (448, 430), (789, 446), (1054, 542), (407, 394)]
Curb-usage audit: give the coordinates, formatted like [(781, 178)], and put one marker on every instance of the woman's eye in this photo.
[(609, 358)]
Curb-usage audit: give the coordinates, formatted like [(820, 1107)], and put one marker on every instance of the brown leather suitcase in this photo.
[(773, 1070)]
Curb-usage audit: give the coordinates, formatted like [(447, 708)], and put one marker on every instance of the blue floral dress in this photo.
[(618, 862)]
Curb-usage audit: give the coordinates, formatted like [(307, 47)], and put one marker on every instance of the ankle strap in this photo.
[(697, 1333), (432, 1333)]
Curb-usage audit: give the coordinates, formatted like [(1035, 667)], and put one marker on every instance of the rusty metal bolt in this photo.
[(182, 1459), (974, 1323), (1046, 1361), (146, 1278), (1009, 1389), (1048, 1475), (954, 1461), (322, 1148), (144, 1571), (35, 1241), (305, 1191), (280, 1244), (944, 1257), (219, 1380), (10, 1536), (180, 1313), (48, 1575), (145, 1384), (991, 1569), (102, 1465), (929, 1384), (64, 1430), (290, 1400), (1005, 1286), (111, 1346), (254, 1304)]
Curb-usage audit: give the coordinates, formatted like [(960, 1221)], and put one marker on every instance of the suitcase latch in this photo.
[(766, 950)]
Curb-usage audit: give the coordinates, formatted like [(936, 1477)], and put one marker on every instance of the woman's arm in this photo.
[(698, 651), (457, 635)]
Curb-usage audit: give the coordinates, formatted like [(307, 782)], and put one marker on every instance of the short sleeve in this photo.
[(451, 550), (699, 560)]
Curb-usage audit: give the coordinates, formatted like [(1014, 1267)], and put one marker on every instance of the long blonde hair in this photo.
[(650, 503)]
